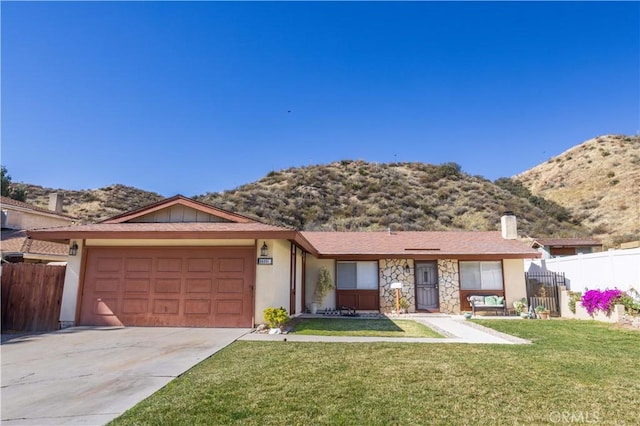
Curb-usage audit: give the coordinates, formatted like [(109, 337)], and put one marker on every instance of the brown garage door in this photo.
[(187, 287)]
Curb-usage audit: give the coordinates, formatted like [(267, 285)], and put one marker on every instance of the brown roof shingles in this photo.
[(143, 230), (324, 244), (19, 242), (139, 227), (413, 244)]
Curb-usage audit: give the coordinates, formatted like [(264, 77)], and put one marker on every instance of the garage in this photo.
[(168, 286)]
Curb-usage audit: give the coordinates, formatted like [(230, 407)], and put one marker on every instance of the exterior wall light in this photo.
[(264, 251), (407, 269), (73, 249)]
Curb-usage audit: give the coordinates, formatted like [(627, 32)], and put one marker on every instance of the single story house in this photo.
[(180, 262), (19, 217), (558, 247)]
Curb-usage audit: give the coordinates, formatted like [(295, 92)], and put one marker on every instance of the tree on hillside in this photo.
[(15, 192)]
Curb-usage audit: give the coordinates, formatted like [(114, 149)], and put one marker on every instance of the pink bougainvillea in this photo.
[(602, 300)]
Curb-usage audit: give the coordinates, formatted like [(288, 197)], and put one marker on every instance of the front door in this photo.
[(427, 298)]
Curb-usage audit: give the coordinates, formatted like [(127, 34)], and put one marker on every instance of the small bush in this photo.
[(631, 307), (276, 317), (574, 296)]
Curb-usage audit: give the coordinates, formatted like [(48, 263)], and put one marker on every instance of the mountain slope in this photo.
[(356, 195), (93, 205), (598, 181)]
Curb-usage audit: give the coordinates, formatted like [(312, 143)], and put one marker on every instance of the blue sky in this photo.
[(206, 96)]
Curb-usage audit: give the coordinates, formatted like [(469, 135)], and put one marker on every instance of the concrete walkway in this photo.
[(455, 329), (91, 375)]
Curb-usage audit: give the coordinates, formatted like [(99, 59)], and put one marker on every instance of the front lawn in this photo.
[(361, 327), (575, 372)]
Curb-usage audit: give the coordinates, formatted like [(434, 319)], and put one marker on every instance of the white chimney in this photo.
[(55, 202), (509, 226)]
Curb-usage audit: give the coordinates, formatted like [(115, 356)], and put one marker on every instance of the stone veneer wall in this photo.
[(390, 271), (449, 283)]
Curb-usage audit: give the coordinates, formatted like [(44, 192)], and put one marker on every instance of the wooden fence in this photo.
[(31, 296)]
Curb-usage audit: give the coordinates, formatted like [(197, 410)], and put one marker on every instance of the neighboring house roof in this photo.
[(6, 201), (16, 242), (412, 244), (566, 242)]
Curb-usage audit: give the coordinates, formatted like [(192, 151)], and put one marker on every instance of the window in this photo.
[(481, 275), (357, 276)]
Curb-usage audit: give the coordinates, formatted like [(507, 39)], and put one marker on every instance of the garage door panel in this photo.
[(104, 306), (229, 307), (171, 285), (100, 312), (166, 306), (109, 264), (227, 285), (138, 265), (199, 287), (107, 285), (231, 265), (137, 286), (199, 265), (135, 306), (166, 264), (197, 307)]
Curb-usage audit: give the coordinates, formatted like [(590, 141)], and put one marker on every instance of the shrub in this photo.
[(631, 307), (276, 317), (323, 286), (574, 296)]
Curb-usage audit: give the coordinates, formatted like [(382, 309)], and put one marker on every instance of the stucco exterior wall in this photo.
[(514, 284), (272, 281), (18, 219), (70, 294), (312, 273), (449, 286), (390, 271)]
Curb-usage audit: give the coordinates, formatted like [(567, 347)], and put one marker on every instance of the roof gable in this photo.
[(179, 209)]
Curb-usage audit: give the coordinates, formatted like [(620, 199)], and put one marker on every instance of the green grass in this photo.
[(361, 327), (573, 373)]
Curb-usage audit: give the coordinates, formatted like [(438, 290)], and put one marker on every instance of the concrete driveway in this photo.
[(89, 375)]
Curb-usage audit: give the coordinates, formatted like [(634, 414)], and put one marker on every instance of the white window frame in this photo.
[(483, 275), (366, 278)]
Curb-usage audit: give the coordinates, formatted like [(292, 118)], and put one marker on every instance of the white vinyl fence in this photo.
[(606, 270)]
